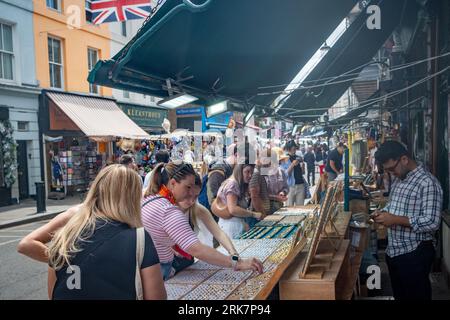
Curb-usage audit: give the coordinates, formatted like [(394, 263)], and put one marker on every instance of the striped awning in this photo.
[(97, 117)]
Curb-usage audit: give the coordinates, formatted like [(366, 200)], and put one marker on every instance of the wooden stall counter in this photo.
[(332, 284)]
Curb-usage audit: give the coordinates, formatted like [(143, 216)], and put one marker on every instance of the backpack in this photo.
[(203, 196)]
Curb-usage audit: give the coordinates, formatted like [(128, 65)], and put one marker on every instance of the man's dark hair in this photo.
[(290, 144), (126, 159), (341, 144), (162, 156), (390, 150)]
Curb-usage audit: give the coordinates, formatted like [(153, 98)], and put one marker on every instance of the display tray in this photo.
[(273, 232), (291, 220), (296, 211), (202, 281)]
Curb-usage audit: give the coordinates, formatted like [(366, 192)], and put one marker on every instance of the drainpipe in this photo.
[(434, 30)]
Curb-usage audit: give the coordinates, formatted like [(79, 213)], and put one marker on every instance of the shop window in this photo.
[(6, 52)]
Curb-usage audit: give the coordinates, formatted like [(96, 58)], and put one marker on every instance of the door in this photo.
[(22, 169)]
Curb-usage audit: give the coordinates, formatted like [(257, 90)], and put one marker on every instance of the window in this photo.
[(88, 10), (6, 52), (92, 60), (22, 126), (55, 63), (124, 28), (126, 94), (54, 4)]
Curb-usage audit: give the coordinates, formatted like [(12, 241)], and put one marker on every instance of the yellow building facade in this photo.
[(66, 46)]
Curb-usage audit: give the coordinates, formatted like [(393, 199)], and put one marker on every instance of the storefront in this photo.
[(19, 143), (187, 118), (5, 190), (150, 119), (78, 136)]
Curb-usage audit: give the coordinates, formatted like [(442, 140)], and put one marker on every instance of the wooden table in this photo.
[(333, 285)]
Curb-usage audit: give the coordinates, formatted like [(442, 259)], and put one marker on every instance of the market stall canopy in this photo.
[(217, 48), (352, 52), (97, 117), (181, 133), (356, 112)]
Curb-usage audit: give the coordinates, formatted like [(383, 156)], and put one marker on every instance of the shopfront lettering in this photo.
[(144, 114)]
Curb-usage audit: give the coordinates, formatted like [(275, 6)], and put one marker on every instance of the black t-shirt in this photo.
[(298, 173), (107, 264), (319, 156), (337, 158), (310, 159)]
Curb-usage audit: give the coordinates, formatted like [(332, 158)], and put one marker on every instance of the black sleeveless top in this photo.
[(106, 265)]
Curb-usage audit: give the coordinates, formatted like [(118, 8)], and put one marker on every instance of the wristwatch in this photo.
[(234, 261)]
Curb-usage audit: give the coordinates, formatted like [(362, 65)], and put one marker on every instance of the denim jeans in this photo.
[(167, 270)]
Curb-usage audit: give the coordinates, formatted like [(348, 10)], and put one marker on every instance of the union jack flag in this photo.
[(103, 11)]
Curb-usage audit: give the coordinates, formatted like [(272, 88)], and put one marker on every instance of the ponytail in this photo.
[(162, 173)]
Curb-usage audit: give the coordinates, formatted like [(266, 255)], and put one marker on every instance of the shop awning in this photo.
[(97, 117), (217, 48), (352, 52), (354, 113)]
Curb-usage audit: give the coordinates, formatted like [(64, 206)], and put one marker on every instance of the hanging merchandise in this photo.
[(8, 149)]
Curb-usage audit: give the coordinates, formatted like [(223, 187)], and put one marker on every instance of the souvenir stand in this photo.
[(306, 239), (276, 241)]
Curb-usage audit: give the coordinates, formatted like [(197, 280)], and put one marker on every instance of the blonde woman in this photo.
[(169, 227), (94, 256)]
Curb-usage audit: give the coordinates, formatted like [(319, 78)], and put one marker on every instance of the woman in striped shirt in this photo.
[(203, 223), (169, 226)]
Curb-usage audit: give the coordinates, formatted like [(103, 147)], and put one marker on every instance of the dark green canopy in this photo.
[(352, 52), (226, 48)]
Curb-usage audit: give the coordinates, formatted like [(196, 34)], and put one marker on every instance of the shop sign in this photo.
[(222, 118), (144, 116), (189, 111)]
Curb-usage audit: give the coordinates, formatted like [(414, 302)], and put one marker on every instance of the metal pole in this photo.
[(346, 182), (40, 197)]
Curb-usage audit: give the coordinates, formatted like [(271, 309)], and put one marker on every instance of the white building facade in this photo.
[(19, 96)]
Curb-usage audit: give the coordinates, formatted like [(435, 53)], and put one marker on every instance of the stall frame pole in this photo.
[(346, 182)]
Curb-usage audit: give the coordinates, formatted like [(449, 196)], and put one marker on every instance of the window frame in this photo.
[(4, 52), (124, 29), (61, 43), (59, 5), (90, 67), (26, 126)]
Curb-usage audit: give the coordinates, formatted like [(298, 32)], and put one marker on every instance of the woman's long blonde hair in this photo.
[(115, 195)]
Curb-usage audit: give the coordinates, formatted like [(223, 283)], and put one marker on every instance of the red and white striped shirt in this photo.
[(167, 225)]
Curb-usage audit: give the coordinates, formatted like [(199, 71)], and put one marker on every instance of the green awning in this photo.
[(222, 48), (354, 49)]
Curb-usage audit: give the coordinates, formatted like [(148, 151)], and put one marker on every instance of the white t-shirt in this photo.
[(188, 156), (148, 178)]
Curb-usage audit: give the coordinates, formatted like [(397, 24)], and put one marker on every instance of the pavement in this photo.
[(21, 278), (26, 211)]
